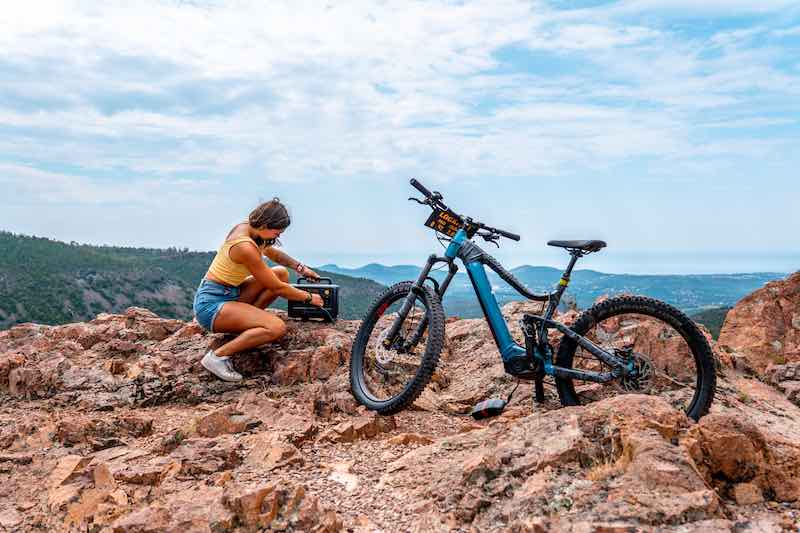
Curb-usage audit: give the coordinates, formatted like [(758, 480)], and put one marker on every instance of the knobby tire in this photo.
[(698, 345), (430, 358)]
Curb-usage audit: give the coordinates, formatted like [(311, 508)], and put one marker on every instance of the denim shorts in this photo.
[(209, 299)]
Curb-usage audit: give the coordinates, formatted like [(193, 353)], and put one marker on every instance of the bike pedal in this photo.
[(488, 408)]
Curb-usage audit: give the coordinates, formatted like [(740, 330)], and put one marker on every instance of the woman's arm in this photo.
[(282, 258), (248, 255)]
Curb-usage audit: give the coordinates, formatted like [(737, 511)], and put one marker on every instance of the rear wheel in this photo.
[(388, 379), (671, 355)]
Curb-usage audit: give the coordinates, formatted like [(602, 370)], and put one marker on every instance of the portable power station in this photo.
[(330, 298)]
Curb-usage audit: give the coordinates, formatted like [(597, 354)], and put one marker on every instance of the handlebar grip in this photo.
[(509, 235), (420, 187)]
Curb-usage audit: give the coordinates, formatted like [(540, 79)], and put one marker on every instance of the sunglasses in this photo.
[(266, 242)]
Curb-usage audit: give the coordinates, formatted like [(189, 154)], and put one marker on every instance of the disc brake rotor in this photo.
[(641, 380), (383, 355)]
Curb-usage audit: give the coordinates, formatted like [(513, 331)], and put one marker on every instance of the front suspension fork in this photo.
[(408, 304)]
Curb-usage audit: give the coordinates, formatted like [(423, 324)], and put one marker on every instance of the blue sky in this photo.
[(668, 128)]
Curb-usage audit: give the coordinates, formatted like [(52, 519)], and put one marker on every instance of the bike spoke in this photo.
[(387, 371)]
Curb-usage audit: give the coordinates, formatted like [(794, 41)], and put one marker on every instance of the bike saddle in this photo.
[(586, 246)]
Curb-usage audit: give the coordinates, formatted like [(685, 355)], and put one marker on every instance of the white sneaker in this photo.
[(222, 367)]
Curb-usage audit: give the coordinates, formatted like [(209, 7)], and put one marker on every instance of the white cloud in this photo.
[(367, 89), (26, 184)]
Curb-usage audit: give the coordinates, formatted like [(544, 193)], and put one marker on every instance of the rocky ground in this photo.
[(112, 425)]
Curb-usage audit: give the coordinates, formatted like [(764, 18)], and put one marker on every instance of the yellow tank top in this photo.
[(226, 269)]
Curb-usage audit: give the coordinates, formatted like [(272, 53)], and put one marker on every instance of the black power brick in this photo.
[(329, 292)]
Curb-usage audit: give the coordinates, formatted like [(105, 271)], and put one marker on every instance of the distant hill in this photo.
[(712, 319), (691, 293), (52, 282), (385, 275)]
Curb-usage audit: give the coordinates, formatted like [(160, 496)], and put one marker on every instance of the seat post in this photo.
[(575, 255), (555, 297)]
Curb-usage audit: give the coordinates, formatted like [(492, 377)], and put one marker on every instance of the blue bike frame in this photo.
[(474, 260), (483, 289)]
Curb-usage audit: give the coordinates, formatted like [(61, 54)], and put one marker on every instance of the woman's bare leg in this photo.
[(256, 326), (255, 294)]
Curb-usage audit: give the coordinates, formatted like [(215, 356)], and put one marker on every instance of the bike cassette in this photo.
[(641, 379)]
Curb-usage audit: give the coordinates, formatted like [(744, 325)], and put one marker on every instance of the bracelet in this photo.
[(308, 298), (300, 268)]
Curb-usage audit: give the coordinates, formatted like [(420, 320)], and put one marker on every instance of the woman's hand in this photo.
[(316, 299), (307, 272)]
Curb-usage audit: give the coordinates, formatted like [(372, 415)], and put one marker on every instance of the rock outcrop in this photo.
[(112, 426), (764, 327)]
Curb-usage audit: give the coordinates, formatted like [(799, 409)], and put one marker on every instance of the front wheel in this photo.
[(669, 352), (388, 379)]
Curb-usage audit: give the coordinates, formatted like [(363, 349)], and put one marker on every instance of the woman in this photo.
[(238, 286)]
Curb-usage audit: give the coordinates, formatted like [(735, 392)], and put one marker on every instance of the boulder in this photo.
[(279, 505), (535, 462), (731, 451), (764, 326)]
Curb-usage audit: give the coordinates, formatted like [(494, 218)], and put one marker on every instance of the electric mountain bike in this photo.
[(622, 344)]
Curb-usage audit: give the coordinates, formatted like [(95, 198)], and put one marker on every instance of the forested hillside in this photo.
[(712, 319), (52, 282)]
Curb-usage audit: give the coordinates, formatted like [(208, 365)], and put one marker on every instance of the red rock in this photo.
[(8, 362), (271, 451), (82, 429), (19, 458), (66, 468), (278, 506), (10, 518), (201, 457), (59, 497), (25, 331), (144, 474), (343, 432), (222, 421), (146, 520), (192, 329), (103, 479), (626, 463), (765, 325), (364, 427), (120, 346), (785, 378), (325, 361), (404, 439), (82, 511), (291, 369), (26, 382), (747, 493), (476, 471), (729, 447)]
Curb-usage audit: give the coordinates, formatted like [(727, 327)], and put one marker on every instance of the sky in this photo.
[(668, 128)]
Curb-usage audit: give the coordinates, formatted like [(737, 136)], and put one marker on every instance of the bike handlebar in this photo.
[(435, 200), (504, 233), (421, 188)]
